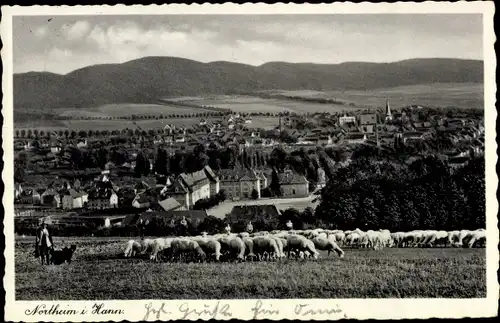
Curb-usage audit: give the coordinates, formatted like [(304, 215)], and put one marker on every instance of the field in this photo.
[(121, 109), (97, 272), (241, 103), (462, 95)]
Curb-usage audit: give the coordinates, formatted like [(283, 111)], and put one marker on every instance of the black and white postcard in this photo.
[(249, 162)]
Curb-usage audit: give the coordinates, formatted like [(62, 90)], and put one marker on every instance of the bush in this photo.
[(255, 194)]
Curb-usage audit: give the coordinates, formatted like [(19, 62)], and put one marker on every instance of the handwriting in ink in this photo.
[(155, 311), (304, 310), (212, 312), (259, 310)]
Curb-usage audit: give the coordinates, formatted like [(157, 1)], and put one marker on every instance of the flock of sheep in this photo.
[(279, 244)]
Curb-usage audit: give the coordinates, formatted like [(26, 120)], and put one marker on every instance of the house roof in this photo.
[(73, 193), (412, 134), (210, 174), (354, 136), (365, 119), (169, 204), (237, 174), (101, 193), (193, 178), (142, 186), (288, 178), (251, 212)]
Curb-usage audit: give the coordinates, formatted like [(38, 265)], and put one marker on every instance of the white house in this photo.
[(347, 119), (72, 199), (82, 143), (55, 149), (214, 180)]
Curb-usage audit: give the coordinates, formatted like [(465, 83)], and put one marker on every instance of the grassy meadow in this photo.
[(98, 272), (462, 95), (243, 103)]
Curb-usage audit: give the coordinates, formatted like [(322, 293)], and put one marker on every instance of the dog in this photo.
[(58, 257)]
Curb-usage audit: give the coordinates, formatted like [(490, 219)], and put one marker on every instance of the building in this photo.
[(293, 184), (367, 122), (214, 180), (141, 201), (321, 178), (82, 143), (355, 138), (55, 149), (408, 136), (30, 196), (239, 183), (388, 113), (198, 185), (18, 191), (368, 119), (50, 197), (187, 189), (263, 179), (73, 199), (253, 213), (180, 193), (101, 199), (24, 212), (170, 204), (367, 128), (347, 119)]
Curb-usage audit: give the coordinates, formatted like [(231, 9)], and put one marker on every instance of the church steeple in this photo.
[(388, 114)]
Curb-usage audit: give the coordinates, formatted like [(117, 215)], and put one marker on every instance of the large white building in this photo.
[(347, 119), (239, 183)]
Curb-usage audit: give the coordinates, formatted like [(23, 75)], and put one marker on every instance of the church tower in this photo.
[(388, 113)]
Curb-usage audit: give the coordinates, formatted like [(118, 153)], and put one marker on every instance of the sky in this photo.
[(61, 44)]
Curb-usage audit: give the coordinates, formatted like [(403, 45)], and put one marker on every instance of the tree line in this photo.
[(426, 194)]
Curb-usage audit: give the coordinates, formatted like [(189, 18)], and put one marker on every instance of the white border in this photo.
[(241, 309)]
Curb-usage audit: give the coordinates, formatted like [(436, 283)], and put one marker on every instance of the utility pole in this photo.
[(376, 128)]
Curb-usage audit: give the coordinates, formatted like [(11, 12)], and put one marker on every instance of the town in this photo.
[(94, 181)]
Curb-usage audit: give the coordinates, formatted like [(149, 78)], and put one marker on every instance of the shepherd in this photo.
[(142, 227), (183, 229), (43, 244), (289, 225)]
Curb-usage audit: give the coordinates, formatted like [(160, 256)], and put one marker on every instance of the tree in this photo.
[(255, 194), (161, 165), (266, 192), (142, 165), (222, 195), (275, 184)]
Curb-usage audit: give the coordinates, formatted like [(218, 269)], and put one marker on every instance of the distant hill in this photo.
[(148, 79)]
